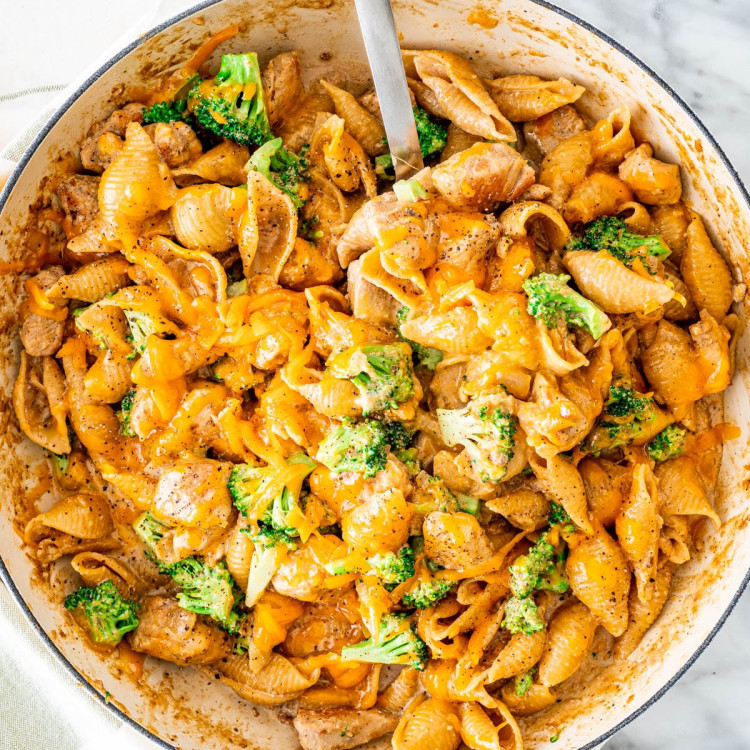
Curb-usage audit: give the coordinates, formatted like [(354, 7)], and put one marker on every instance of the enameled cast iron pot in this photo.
[(185, 708)]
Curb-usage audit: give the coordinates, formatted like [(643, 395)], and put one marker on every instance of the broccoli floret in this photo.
[(486, 432), (124, 412), (669, 443), (624, 402), (424, 356), (165, 112), (285, 170), (539, 569), (231, 105), (524, 681), (393, 568), (432, 138), (554, 302), (558, 516), (399, 644), (610, 233), (625, 417), (360, 447), (427, 594), (207, 590), (396, 435), (381, 372), (409, 457), (522, 616), (149, 529), (109, 616), (258, 494)]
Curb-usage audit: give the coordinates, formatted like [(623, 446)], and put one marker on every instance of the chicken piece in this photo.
[(79, 198), (300, 576), (359, 235), (167, 631), (548, 131), (483, 176), (341, 728), (455, 540), (193, 492), (370, 302), (176, 143), (327, 625), (42, 336), (465, 242), (282, 85), (116, 123)]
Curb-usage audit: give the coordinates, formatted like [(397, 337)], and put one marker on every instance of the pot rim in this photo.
[(75, 95)]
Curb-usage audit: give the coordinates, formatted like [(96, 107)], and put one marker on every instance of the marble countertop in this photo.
[(700, 47)]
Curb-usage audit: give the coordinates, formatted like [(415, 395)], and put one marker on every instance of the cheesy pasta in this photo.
[(390, 455)]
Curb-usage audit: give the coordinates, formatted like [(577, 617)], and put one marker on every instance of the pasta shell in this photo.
[(562, 483), (600, 577), (612, 285), (94, 281), (670, 367), (278, 682), (523, 97), (654, 182), (41, 407), (537, 698), (517, 219), (675, 540), (520, 654), (460, 94), (431, 723), (636, 217), (478, 731), (205, 217), (606, 484), (642, 615), (671, 224), (675, 310), (136, 185), (224, 164), (364, 126), (82, 515), (239, 553), (682, 492), (570, 633), (282, 86), (396, 696), (453, 332), (95, 568), (638, 526), (705, 272), (268, 229), (612, 138), (108, 380), (712, 351)]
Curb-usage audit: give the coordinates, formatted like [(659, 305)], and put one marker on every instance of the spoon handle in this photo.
[(384, 53)]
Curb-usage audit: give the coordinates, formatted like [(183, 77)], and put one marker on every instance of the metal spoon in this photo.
[(384, 53)]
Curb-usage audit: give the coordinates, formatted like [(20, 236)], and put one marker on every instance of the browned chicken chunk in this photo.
[(370, 302), (552, 129), (455, 540), (167, 631), (176, 143), (483, 176), (282, 84), (42, 336), (79, 198), (96, 160), (341, 728)]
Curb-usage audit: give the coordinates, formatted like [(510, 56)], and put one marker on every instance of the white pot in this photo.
[(186, 708)]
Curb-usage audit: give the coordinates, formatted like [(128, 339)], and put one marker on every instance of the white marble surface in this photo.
[(700, 47)]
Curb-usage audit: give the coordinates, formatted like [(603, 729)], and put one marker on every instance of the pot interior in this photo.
[(189, 708)]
